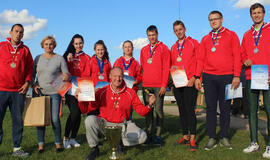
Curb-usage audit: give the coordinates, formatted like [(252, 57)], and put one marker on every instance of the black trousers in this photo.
[(186, 100), (214, 87), (74, 118)]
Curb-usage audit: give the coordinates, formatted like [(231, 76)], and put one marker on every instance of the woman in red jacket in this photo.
[(130, 66), (79, 66), (100, 64)]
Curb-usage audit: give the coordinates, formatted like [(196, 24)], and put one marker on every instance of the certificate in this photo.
[(259, 77), (129, 81), (59, 85), (74, 86), (179, 76), (87, 89), (231, 93), (101, 84)]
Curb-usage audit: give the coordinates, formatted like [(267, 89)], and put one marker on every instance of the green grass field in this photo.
[(239, 140)]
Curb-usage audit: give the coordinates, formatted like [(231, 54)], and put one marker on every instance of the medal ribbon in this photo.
[(124, 64), (151, 54), (180, 52), (214, 39), (257, 40), (100, 65)]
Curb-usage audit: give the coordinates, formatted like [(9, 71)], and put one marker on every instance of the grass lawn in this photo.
[(239, 140)]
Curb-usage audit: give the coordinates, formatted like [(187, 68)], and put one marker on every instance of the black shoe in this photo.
[(147, 142), (40, 150), (58, 150), (93, 154), (157, 140), (120, 149)]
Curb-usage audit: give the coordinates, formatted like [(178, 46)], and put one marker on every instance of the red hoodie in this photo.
[(248, 46), (134, 69), (95, 73), (155, 74), (11, 79), (114, 106), (225, 60), (79, 66), (189, 55)]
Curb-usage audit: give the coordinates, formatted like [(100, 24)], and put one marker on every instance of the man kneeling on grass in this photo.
[(114, 102)]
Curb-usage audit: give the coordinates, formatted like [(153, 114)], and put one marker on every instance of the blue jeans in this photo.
[(56, 125), (15, 101)]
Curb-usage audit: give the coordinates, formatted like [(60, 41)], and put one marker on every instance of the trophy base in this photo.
[(114, 156)]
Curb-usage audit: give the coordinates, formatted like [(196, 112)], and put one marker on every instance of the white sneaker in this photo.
[(266, 154), (66, 143), (253, 147), (74, 143)]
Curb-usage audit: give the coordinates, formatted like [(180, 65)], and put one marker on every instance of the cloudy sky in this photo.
[(115, 21)]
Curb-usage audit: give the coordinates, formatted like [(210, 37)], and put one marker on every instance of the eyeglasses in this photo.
[(215, 19)]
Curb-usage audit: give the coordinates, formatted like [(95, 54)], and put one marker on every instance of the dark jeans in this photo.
[(15, 101), (186, 100), (158, 107), (74, 118), (253, 97), (214, 86)]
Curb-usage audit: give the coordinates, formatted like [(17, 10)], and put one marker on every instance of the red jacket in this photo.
[(11, 79), (225, 60), (248, 46), (155, 74), (94, 70), (80, 65), (188, 55), (114, 111), (134, 70)]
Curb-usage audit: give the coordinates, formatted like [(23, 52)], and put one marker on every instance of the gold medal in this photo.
[(12, 65), (178, 59), (149, 61)]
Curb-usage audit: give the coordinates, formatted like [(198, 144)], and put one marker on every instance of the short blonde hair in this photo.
[(48, 38)]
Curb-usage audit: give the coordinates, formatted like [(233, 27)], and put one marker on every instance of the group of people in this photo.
[(214, 62)]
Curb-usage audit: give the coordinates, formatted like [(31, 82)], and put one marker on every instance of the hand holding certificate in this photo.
[(231, 93), (87, 90), (259, 77), (179, 76), (59, 85)]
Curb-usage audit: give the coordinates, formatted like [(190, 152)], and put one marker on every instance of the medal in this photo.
[(126, 67), (178, 59), (256, 50), (12, 65), (149, 61), (126, 73), (214, 39), (213, 49), (101, 77)]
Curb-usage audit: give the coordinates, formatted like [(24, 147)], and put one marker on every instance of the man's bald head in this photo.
[(116, 76)]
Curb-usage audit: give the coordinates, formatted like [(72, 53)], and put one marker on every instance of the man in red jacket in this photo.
[(16, 65), (155, 62), (255, 51), (114, 102), (219, 58)]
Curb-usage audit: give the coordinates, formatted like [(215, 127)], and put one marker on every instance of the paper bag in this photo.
[(38, 111)]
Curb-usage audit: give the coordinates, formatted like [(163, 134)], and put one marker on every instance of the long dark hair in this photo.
[(106, 53), (70, 48)]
